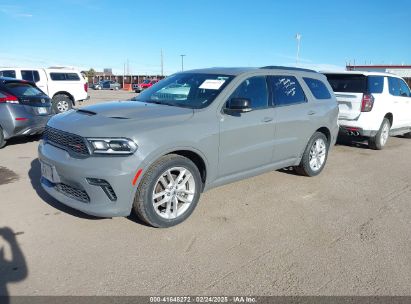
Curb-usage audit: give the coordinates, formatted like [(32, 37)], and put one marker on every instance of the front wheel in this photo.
[(315, 156), (169, 191), (380, 139)]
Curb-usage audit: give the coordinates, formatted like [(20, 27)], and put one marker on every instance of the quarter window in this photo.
[(318, 88), (375, 84), (404, 89), (287, 91), (394, 86), (255, 89)]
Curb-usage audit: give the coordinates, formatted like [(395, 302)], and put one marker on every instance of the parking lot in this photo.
[(344, 232)]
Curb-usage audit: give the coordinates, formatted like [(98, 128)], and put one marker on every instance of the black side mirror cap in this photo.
[(238, 105)]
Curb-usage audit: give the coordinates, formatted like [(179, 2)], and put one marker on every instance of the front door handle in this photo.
[(267, 119), (311, 113)]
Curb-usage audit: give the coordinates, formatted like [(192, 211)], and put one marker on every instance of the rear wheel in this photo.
[(315, 156), (380, 139), (62, 103), (407, 135), (169, 191), (2, 140)]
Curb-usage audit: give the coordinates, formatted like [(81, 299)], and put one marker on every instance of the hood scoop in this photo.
[(86, 112)]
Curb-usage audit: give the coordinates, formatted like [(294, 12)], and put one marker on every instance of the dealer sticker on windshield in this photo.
[(212, 84)]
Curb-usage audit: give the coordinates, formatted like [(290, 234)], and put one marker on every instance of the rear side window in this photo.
[(375, 84), (23, 89), (64, 76), (287, 90), (394, 86), (318, 88), (30, 75), (404, 89), (8, 73), (348, 83)]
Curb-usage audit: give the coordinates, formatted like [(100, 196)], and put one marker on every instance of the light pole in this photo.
[(298, 37), (182, 62)]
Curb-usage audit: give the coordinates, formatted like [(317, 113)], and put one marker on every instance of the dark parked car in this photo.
[(24, 109), (107, 85)]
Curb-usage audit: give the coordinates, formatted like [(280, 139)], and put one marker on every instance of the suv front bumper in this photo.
[(70, 184)]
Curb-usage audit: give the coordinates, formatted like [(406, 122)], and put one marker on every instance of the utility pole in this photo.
[(162, 63), (182, 62), (298, 37)]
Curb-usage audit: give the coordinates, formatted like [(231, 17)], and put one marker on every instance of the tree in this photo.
[(91, 73)]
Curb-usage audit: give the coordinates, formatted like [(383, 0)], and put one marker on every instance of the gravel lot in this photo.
[(345, 232)]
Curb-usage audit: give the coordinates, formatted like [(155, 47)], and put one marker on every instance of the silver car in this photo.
[(191, 132)]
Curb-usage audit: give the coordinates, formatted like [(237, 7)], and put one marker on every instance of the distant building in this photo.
[(108, 71), (403, 71)]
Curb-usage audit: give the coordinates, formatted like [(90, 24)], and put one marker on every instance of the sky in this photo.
[(106, 34)]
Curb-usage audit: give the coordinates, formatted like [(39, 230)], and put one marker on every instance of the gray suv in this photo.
[(191, 132)]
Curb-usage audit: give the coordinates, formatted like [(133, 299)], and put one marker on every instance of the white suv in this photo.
[(64, 86), (373, 105)]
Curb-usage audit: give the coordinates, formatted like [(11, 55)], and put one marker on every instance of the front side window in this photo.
[(375, 84), (404, 89), (188, 90), (318, 88), (254, 89), (287, 91), (8, 73), (394, 86)]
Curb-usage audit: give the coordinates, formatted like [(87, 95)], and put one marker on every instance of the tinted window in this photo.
[(23, 89), (394, 86), (404, 90), (8, 73), (375, 84), (287, 90), (64, 76), (318, 88), (255, 89), (30, 75), (347, 83)]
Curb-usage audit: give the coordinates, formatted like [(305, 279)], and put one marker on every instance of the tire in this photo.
[(61, 103), (380, 139), (407, 135), (163, 215), (315, 155), (2, 140)]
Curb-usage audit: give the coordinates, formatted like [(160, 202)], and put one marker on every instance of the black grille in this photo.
[(65, 140), (73, 193)]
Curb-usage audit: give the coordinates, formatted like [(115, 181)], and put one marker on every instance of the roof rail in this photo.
[(273, 67)]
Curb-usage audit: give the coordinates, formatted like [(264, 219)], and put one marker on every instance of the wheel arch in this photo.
[(390, 117), (197, 159), (67, 94), (326, 132)]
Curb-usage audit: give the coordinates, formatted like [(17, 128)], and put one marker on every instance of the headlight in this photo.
[(112, 146)]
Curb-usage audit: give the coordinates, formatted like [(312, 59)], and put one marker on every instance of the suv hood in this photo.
[(119, 118)]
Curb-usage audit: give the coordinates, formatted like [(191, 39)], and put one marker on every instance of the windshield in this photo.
[(190, 90), (146, 81)]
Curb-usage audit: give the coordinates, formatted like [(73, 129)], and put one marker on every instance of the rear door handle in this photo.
[(267, 119), (311, 112)]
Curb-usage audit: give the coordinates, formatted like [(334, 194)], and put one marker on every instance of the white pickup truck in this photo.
[(373, 105), (64, 86)]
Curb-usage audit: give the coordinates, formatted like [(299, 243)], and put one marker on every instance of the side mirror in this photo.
[(238, 105)]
